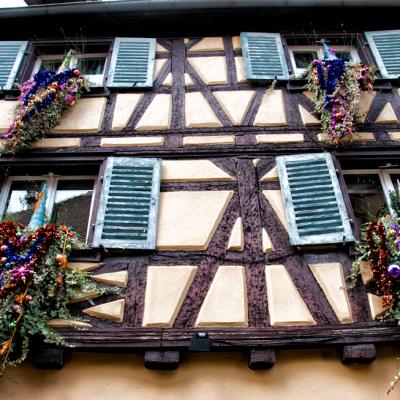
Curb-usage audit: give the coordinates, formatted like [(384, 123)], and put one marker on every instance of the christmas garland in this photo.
[(41, 104), (35, 286), (336, 84)]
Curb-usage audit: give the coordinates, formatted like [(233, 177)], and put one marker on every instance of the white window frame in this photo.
[(52, 183), (385, 180), (93, 79), (298, 72)]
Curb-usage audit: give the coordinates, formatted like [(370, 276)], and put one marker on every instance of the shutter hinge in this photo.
[(153, 201)]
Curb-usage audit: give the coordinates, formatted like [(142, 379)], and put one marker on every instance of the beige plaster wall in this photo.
[(298, 375)]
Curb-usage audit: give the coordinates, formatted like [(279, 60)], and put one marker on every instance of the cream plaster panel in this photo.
[(267, 244), (280, 138), (7, 112), (275, 200), (365, 271), (285, 305), (226, 301), (212, 70), (331, 279), (168, 81), (256, 161), (84, 266), (158, 65), (208, 140), (209, 44), (236, 240), (198, 113), (188, 80), (236, 43), (307, 118), (366, 99), (158, 114), (186, 40), (272, 110), (135, 141), (166, 289), (161, 49), (192, 171), (240, 71), (83, 297), (65, 323), (357, 137), (85, 117), (118, 278), (113, 311), (394, 136), (376, 306), (310, 95), (54, 143), (235, 103), (188, 220), (271, 176), (124, 107), (387, 115), (307, 374)]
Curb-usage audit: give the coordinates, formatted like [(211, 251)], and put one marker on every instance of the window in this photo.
[(302, 56), (370, 191), (69, 200), (92, 66)]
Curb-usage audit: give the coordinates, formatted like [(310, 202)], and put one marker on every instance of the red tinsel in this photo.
[(378, 260)]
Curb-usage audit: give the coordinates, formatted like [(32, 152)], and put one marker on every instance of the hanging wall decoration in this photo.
[(336, 84), (41, 103)]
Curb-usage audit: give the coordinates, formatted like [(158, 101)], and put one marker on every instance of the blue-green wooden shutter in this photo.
[(132, 63), (128, 209), (263, 55), (11, 55), (314, 204), (385, 46)]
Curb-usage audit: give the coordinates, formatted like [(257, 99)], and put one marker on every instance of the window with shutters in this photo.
[(11, 55), (314, 204), (69, 200)]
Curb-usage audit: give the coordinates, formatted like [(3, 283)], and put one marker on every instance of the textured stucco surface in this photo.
[(298, 375)]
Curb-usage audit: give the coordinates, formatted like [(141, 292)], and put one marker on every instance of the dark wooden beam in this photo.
[(161, 360), (359, 353), (261, 359), (48, 358)]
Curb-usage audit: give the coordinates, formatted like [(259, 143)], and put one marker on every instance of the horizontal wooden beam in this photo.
[(48, 358), (224, 339)]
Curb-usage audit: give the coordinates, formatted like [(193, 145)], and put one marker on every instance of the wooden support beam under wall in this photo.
[(48, 358), (261, 359), (161, 360), (359, 353)]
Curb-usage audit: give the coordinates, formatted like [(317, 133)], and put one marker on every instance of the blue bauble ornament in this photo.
[(394, 271)]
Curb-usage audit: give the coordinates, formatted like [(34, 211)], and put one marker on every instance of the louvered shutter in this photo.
[(385, 46), (263, 54), (132, 63), (11, 54), (128, 209), (314, 204)]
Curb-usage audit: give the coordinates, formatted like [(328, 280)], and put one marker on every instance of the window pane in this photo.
[(91, 65), (21, 201), (52, 64), (304, 58), (343, 54), (72, 205), (366, 196)]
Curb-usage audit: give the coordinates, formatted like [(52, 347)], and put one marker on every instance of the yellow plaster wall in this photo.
[(298, 375)]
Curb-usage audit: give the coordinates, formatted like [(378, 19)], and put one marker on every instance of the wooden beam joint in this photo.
[(261, 359), (161, 360), (359, 353), (48, 358)]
